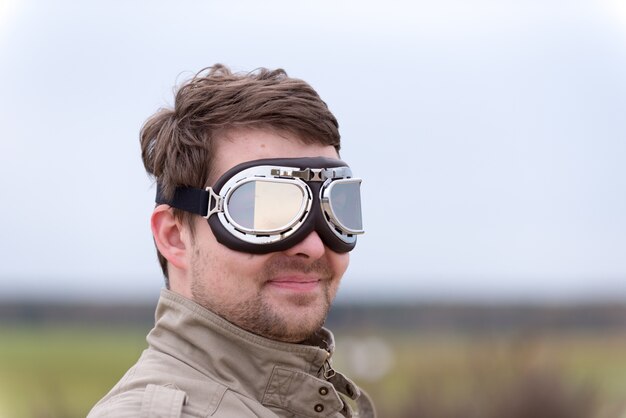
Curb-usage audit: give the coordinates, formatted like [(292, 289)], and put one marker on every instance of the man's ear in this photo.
[(168, 236)]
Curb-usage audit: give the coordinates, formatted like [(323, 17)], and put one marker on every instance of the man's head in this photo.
[(177, 144), (220, 120)]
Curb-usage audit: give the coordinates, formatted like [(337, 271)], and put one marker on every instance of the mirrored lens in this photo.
[(345, 201), (265, 205)]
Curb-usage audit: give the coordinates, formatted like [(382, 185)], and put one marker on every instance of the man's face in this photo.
[(283, 295)]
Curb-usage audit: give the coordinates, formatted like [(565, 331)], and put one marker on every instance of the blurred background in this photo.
[(491, 138)]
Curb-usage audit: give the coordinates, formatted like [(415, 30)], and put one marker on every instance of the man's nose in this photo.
[(311, 247)]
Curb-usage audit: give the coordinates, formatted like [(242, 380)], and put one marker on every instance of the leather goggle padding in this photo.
[(314, 221)]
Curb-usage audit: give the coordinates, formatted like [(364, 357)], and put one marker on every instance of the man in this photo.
[(254, 222)]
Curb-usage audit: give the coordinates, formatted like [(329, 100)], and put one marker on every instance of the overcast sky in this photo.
[(491, 137)]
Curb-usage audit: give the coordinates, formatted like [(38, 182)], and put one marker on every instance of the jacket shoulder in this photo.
[(157, 401), (158, 386), (154, 401)]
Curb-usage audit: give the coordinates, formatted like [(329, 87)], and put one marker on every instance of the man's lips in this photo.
[(295, 282)]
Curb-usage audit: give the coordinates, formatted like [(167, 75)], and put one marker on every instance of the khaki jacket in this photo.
[(200, 365)]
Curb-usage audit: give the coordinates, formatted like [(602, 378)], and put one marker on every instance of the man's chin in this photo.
[(296, 333), (300, 320), (277, 314)]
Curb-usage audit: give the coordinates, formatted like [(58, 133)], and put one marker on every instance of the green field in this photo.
[(62, 371)]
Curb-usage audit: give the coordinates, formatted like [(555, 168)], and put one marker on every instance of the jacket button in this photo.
[(319, 407), (323, 391)]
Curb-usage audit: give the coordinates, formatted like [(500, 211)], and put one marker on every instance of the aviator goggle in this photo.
[(270, 205)]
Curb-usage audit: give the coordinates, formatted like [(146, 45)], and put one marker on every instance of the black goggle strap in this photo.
[(198, 201)]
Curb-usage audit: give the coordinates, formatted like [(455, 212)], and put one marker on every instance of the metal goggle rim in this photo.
[(298, 218), (332, 219)]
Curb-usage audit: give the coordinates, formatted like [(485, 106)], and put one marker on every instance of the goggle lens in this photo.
[(345, 202), (265, 206)]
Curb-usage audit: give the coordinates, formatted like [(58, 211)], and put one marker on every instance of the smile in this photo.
[(299, 284)]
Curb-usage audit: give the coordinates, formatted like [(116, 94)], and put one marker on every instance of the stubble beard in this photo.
[(257, 315)]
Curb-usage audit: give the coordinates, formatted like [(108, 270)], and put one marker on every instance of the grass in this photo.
[(62, 371)]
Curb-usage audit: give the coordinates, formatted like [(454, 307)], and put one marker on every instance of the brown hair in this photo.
[(176, 144)]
